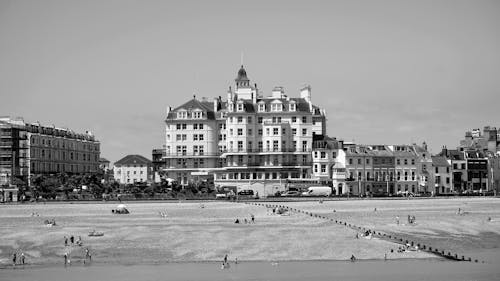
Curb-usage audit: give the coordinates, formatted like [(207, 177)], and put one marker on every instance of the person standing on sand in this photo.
[(65, 240), (397, 220), (253, 218), (14, 258), (22, 258), (225, 259), (65, 259)]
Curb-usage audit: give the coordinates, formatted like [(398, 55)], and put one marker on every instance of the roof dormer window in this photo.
[(276, 107), (262, 107), (240, 107), (181, 115), (197, 114), (292, 107)]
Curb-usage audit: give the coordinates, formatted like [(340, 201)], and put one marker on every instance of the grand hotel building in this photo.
[(245, 138)]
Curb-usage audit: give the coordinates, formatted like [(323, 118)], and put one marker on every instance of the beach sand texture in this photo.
[(191, 233)]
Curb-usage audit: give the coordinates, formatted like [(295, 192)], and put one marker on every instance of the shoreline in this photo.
[(232, 262)]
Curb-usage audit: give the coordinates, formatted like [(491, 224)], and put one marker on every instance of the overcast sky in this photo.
[(385, 71)]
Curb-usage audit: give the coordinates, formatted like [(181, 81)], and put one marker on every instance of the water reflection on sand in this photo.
[(432, 269)]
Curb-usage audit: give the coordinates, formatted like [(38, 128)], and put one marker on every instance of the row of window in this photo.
[(275, 145), (261, 176), (323, 154), (260, 120), (194, 114), (182, 150), (398, 161), (60, 143), (275, 132), (322, 166), (62, 155), (45, 167), (382, 176)]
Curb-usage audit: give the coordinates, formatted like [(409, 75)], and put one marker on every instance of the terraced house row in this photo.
[(268, 143)]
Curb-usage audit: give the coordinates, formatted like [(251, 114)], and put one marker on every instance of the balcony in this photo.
[(266, 150), (275, 123), (5, 144), (269, 164), (185, 154)]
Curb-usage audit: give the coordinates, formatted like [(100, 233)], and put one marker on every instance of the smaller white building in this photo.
[(133, 169)]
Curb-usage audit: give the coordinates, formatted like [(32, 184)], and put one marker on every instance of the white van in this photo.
[(318, 191)]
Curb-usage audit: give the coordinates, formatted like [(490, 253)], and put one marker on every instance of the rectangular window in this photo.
[(184, 126), (195, 126), (178, 137), (315, 168), (200, 137), (275, 131), (304, 119), (201, 150), (249, 119), (240, 132), (240, 146), (195, 137), (200, 126), (304, 132), (350, 161), (304, 145), (249, 132), (275, 145), (260, 132), (323, 155), (268, 131), (359, 161), (240, 119), (294, 131), (367, 161), (294, 119), (240, 107), (323, 168), (259, 120), (260, 146)]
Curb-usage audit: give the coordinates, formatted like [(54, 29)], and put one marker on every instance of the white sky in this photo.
[(385, 71)]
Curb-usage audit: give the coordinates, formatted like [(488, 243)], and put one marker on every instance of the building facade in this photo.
[(28, 149), (246, 138), (133, 169)]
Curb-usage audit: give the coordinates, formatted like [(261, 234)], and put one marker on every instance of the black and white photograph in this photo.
[(236, 140)]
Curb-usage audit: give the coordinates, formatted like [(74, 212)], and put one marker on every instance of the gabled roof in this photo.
[(133, 159)]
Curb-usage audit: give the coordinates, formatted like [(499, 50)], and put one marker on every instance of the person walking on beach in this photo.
[(72, 239), (66, 259), (225, 259), (14, 258), (253, 218), (353, 258), (397, 220), (22, 258), (65, 241)]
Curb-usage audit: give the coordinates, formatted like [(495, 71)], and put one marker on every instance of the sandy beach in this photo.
[(201, 232)]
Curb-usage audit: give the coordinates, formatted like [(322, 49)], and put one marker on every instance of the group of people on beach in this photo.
[(18, 259), (88, 257), (411, 219), (72, 240), (251, 220)]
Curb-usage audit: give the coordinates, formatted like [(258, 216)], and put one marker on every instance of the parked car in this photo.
[(245, 192), (290, 194)]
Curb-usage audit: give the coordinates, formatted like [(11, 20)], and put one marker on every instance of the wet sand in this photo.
[(287, 271)]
